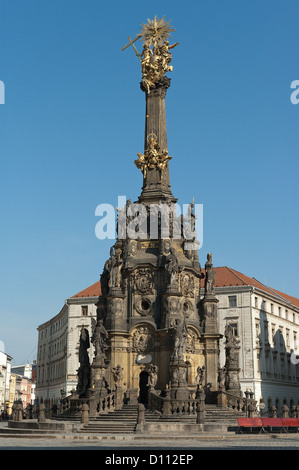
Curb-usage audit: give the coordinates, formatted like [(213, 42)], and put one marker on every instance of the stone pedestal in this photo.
[(83, 379), (98, 378), (210, 308), (210, 330), (131, 396), (85, 414), (232, 381), (41, 413), (222, 399), (211, 352), (140, 418), (115, 319), (178, 383), (232, 347)]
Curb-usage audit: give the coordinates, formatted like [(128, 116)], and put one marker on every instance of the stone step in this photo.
[(26, 431), (120, 419), (127, 413), (114, 428)]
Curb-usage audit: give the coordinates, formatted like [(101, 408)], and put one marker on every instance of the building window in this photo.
[(84, 310), (232, 300), (288, 337), (279, 311), (273, 332), (266, 334), (234, 328), (257, 328), (256, 302), (281, 338), (272, 308)]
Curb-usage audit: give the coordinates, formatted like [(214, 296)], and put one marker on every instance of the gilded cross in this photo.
[(131, 43)]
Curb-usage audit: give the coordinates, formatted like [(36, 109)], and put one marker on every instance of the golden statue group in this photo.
[(155, 63), (155, 57), (152, 156)]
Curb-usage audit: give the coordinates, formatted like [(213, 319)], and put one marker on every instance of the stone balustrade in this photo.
[(172, 407), (72, 405)]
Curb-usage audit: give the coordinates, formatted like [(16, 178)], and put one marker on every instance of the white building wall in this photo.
[(240, 317), (58, 349), (268, 330)]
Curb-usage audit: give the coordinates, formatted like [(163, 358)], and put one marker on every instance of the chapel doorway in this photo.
[(143, 388)]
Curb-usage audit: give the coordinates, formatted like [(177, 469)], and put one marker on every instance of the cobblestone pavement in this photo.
[(92, 442), (125, 442)]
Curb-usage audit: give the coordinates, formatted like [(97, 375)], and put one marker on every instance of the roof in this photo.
[(92, 291), (228, 277), (224, 277)]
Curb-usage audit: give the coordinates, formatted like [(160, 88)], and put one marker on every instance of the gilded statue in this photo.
[(155, 57), (153, 157)]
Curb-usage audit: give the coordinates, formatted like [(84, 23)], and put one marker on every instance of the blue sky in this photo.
[(73, 122)]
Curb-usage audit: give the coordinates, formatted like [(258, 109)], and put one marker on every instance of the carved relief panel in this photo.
[(175, 306), (142, 340), (143, 286), (143, 281), (187, 284)]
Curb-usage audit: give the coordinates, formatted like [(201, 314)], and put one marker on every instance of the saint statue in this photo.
[(210, 276), (172, 266), (118, 376), (153, 376), (231, 346), (84, 345), (180, 332), (99, 337), (200, 375)]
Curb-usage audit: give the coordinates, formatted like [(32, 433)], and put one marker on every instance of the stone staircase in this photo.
[(124, 421), (214, 412), (224, 416), (121, 421)]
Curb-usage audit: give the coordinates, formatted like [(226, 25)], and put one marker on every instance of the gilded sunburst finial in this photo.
[(156, 31)]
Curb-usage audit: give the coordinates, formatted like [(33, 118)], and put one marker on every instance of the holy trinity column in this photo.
[(151, 315)]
